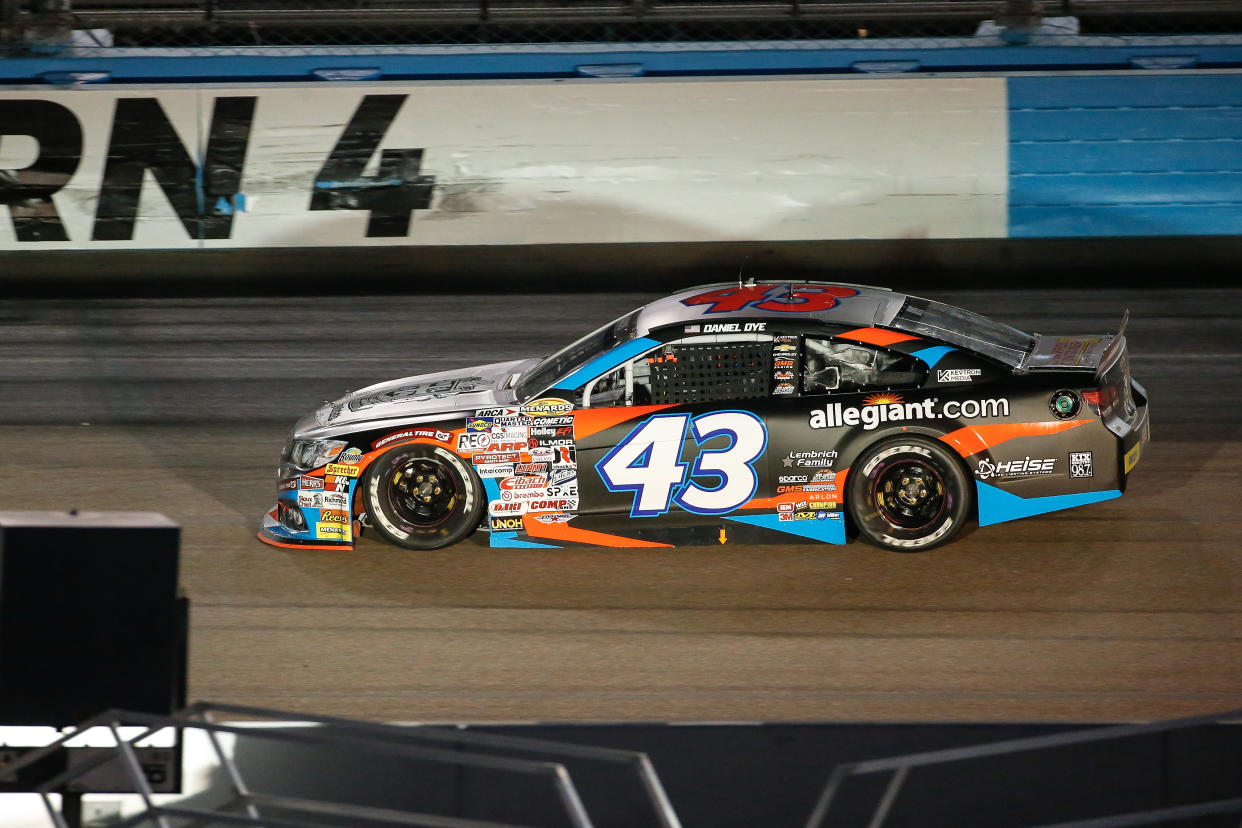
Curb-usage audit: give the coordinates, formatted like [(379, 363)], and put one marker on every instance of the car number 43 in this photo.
[(648, 463)]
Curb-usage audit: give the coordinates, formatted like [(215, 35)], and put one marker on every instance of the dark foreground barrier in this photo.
[(341, 772)]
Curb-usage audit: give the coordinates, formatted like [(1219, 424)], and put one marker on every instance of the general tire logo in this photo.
[(1080, 464)]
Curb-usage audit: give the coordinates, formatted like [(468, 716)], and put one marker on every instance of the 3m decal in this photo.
[(397, 188), (648, 463), (771, 297)]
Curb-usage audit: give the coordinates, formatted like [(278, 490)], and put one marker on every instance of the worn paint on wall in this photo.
[(504, 163)]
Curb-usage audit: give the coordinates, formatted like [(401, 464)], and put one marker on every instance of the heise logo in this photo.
[(1026, 467), (890, 408)]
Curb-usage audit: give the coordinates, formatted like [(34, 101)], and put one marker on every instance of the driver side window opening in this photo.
[(830, 365), (690, 370)]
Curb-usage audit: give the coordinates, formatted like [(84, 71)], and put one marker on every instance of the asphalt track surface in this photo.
[(1129, 609)]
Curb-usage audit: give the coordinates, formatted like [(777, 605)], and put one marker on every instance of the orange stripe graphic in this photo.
[(974, 439), (565, 532), (875, 336)]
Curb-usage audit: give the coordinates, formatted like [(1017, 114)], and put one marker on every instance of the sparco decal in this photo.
[(889, 408)]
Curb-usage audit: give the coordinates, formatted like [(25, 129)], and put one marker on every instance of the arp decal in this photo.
[(771, 297), (648, 463)]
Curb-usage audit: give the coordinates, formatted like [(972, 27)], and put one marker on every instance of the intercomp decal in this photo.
[(891, 408)]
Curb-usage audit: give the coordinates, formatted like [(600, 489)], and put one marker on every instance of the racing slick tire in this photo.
[(422, 497), (908, 494)]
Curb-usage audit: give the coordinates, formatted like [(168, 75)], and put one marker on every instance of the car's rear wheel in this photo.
[(422, 497), (908, 494)]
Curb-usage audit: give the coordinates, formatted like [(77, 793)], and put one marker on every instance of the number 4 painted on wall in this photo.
[(648, 463)]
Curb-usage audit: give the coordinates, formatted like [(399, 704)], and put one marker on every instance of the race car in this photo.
[(771, 412)]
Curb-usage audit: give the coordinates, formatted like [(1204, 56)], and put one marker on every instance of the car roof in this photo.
[(865, 306)]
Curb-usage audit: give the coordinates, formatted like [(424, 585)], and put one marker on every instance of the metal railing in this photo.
[(901, 766), (249, 806)]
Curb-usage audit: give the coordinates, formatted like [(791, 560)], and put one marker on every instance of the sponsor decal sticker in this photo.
[(505, 524), (333, 531), (309, 500), (781, 363), (562, 474), (554, 505), (335, 500), (413, 434), (957, 374), (783, 389), (498, 457), (1132, 456), (494, 470), (822, 504), (479, 424), (333, 517), (1080, 464), (1026, 467), (890, 408), (530, 468), (553, 517), (546, 406), (351, 456), (496, 412), (533, 482), (792, 478), (506, 507), (821, 476), (788, 489), (341, 470), (290, 484), (474, 441), (819, 487), (814, 459)]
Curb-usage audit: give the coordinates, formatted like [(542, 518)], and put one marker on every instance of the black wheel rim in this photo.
[(423, 491), (909, 494)]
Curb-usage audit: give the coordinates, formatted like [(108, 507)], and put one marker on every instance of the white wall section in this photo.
[(507, 162)]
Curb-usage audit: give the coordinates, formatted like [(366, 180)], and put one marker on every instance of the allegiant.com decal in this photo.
[(204, 193), (891, 408)]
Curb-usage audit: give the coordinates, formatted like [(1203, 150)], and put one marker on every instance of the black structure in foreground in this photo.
[(294, 770)]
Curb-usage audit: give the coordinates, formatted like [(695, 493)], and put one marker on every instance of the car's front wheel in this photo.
[(908, 494), (422, 497)]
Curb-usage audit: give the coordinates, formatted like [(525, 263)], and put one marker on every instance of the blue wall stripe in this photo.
[(1139, 90), (606, 361), (1127, 124), (560, 61), (1126, 156), (1144, 220), (933, 354), (1125, 189)]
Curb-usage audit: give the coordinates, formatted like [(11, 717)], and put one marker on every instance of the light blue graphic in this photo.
[(998, 506), (933, 354), (825, 531), (510, 540), (607, 361)]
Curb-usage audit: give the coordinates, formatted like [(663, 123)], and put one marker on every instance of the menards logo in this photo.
[(547, 406), (891, 408)]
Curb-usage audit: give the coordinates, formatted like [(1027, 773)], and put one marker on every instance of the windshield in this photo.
[(573, 357), (969, 330)]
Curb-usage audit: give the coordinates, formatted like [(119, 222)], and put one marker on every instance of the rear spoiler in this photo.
[(1115, 348)]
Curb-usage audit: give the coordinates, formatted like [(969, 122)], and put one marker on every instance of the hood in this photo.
[(444, 392)]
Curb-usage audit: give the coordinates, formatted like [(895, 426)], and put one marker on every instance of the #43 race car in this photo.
[(769, 412)]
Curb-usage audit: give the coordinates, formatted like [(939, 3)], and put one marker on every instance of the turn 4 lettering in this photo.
[(648, 463)]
